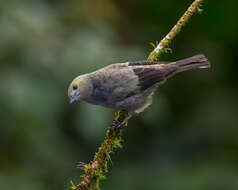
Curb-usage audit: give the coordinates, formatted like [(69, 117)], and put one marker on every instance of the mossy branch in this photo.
[(96, 169)]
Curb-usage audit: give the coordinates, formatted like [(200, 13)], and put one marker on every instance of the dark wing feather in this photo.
[(150, 76), (146, 62)]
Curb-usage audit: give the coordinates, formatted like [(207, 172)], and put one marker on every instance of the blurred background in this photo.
[(186, 140)]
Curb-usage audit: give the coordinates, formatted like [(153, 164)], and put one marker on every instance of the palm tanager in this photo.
[(129, 86)]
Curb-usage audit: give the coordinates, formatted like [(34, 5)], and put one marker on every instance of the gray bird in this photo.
[(129, 86)]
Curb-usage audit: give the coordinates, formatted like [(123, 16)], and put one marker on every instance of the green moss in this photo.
[(199, 9), (96, 170), (73, 186)]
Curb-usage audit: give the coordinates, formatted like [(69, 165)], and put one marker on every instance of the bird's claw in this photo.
[(81, 165), (118, 124), (122, 124)]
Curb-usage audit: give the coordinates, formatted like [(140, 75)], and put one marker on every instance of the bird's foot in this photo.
[(81, 165), (122, 124), (119, 125)]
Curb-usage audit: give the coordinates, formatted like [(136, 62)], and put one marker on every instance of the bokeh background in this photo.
[(186, 140)]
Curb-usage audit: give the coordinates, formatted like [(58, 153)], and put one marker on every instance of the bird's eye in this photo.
[(75, 87)]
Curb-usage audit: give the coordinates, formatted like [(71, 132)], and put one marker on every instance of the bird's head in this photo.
[(79, 88)]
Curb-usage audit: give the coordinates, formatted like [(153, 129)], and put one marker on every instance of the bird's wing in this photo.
[(151, 73)]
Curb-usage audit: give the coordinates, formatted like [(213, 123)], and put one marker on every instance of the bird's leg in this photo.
[(121, 124)]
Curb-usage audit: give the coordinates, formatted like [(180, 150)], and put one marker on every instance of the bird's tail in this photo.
[(195, 62)]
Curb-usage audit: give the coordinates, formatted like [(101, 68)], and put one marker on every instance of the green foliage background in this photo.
[(187, 140)]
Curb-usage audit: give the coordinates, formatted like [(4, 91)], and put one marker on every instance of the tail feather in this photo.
[(195, 62)]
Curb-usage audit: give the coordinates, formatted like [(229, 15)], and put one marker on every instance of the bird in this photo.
[(129, 86)]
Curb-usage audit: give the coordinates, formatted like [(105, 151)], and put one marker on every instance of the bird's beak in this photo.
[(74, 96)]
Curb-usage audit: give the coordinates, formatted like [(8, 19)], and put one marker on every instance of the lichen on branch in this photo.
[(98, 167)]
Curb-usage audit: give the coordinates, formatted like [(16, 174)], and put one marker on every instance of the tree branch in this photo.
[(96, 169)]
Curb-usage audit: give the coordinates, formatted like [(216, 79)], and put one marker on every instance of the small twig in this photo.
[(96, 169)]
